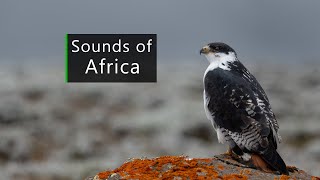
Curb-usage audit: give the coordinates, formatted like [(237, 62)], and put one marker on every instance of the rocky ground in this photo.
[(52, 130), (222, 167)]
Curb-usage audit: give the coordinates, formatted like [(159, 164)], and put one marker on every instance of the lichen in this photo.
[(184, 168), (165, 168)]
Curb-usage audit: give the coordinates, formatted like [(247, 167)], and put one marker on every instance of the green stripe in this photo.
[(66, 59)]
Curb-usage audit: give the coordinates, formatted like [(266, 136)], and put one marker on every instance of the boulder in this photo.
[(182, 167)]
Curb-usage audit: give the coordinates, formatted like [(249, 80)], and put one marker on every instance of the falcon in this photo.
[(239, 109)]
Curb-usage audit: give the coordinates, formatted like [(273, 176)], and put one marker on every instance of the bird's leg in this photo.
[(231, 153), (237, 154), (236, 150)]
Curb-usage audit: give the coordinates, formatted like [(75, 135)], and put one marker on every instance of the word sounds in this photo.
[(117, 47)]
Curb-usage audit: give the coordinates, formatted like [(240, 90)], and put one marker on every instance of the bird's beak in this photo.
[(205, 50)]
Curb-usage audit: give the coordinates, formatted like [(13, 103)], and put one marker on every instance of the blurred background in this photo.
[(52, 130)]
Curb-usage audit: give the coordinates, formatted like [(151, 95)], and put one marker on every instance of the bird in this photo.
[(239, 109)]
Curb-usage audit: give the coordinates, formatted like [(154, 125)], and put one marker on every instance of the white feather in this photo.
[(219, 60), (221, 137), (246, 156), (206, 100)]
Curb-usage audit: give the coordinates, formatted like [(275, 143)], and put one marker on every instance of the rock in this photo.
[(182, 167)]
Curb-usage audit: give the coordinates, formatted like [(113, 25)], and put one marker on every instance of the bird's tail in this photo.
[(274, 160)]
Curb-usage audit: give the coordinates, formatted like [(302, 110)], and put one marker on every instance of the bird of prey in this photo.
[(239, 109)]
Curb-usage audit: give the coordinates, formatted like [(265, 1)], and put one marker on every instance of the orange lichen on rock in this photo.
[(284, 177), (220, 166), (165, 168), (246, 171), (183, 168)]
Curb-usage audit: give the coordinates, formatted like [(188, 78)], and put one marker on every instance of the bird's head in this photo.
[(218, 51)]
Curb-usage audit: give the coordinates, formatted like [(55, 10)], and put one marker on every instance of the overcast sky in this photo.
[(285, 30)]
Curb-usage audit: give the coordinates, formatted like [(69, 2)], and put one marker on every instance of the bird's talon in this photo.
[(229, 152)]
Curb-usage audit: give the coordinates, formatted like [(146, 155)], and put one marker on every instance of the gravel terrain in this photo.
[(52, 130)]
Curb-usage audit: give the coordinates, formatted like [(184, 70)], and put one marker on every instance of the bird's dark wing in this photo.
[(239, 70), (239, 106)]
